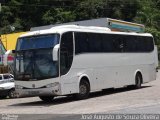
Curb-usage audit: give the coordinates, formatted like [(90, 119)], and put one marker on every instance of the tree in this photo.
[(119, 9), (149, 15), (57, 15)]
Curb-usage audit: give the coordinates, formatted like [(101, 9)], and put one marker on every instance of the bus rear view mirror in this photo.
[(55, 52)]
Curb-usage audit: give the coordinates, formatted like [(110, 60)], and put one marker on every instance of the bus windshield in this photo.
[(34, 58)]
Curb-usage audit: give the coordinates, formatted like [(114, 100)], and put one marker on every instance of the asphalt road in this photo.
[(124, 101)]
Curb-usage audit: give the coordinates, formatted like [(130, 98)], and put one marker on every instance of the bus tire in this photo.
[(46, 98), (11, 93), (138, 80), (84, 90)]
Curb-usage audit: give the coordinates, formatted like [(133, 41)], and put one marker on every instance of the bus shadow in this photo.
[(68, 99), (115, 91)]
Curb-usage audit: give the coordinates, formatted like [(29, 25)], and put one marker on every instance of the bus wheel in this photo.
[(47, 98), (12, 93), (138, 80), (84, 89)]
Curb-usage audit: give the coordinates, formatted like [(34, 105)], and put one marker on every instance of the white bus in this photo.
[(77, 60)]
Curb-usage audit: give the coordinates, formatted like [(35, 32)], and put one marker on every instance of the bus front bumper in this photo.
[(31, 92)]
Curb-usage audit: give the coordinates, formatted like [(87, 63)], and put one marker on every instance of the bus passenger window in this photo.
[(81, 43)]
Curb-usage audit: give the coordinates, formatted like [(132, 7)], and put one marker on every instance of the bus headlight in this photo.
[(52, 85)]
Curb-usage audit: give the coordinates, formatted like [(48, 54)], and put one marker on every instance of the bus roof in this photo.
[(64, 28)]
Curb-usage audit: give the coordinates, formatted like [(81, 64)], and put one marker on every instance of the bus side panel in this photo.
[(149, 73), (70, 81), (108, 70), (105, 77), (119, 66)]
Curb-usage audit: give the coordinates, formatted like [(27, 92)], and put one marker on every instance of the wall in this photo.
[(9, 40)]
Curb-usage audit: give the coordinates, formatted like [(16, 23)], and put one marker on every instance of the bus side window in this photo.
[(130, 44), (107, 43), (94, 42), (118, 42), (66, 52), (149, 44), (81, 43)]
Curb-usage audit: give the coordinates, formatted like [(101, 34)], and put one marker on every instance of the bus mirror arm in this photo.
[(55, 52)]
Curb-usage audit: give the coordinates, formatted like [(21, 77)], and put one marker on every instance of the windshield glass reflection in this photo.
[(34, 61)]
